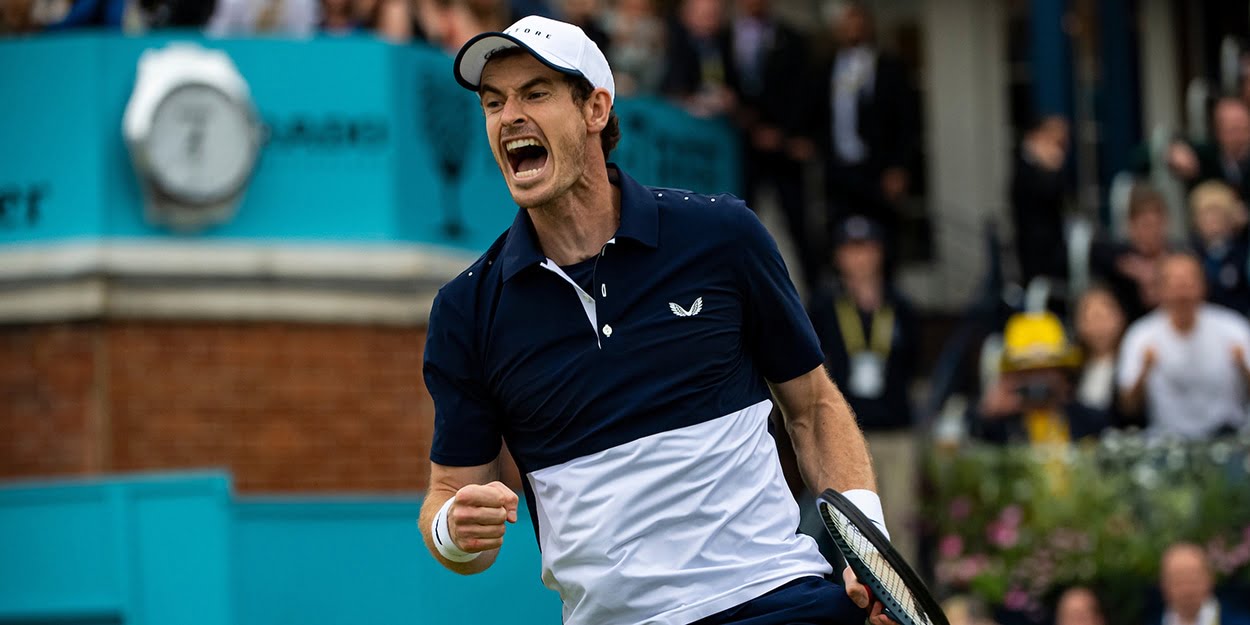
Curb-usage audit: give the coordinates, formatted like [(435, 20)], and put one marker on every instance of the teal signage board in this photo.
[(365, 142), (169, 549)]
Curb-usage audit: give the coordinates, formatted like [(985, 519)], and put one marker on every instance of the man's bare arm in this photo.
[(832, 453), (477, 519), (830, 447)]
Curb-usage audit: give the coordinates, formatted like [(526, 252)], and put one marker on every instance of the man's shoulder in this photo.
[(702, 215), (461, 292), (1226, 319), (1150, 324)]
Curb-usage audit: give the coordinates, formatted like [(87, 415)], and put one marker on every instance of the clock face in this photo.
[(202, 144)]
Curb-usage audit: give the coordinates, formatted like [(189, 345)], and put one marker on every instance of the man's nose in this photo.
[(513, 112)]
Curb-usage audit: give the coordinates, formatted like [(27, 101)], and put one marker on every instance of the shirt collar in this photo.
[(1208, 614), (639, 222)]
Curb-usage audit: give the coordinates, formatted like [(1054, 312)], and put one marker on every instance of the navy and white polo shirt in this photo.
[(637, 409)]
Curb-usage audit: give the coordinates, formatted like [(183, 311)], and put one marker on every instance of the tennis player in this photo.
[(626, 341)]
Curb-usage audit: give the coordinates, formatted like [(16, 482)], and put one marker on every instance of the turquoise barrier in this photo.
[(367, 142), (179, 548)]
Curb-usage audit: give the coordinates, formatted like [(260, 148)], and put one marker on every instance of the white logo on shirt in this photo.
[(682, 312)]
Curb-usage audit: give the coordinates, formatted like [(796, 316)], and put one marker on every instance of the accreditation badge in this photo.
[(867, 375)]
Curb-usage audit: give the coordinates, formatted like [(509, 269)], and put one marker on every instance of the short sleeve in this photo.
[(778, 332), (466, 427)]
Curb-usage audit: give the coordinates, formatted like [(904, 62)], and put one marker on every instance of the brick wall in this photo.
[(49, 419), (283, 406)]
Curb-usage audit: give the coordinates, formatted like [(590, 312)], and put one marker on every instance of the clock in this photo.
[(202, 146), (193, 135)]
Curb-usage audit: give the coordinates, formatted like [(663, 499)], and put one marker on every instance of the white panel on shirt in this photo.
[(1195, 386), (673, 527)]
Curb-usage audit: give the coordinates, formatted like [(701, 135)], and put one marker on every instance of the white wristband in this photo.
[(442, 536), (870, 504)]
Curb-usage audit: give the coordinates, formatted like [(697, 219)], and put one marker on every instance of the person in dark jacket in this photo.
[(700, 68), (869, 335), (1227, 158), (1219, 227), (1032, 401), (865, 119), (1038, 194), (768, 59), (1131, 268)]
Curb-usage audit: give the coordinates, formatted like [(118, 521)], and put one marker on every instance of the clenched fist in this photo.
[(479, 516)]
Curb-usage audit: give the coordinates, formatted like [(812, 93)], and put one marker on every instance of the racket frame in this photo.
[(892, 558)]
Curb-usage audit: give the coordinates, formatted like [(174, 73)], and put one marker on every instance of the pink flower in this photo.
[(1016, 599), (1002, 535), (1011, 515), (951, 546), (970, 567)]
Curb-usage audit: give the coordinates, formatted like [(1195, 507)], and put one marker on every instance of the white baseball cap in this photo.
[(559, 45)]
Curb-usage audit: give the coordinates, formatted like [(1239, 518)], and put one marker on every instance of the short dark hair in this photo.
[(1144, 199), (611, 133), (581, 88)]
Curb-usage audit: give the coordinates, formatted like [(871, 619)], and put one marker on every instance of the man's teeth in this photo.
[(520, 143), (529, 173)]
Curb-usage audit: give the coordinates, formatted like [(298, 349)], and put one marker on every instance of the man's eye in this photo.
[(490, 104), (535, 95)]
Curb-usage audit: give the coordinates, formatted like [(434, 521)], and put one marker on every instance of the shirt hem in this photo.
[(739, 597)]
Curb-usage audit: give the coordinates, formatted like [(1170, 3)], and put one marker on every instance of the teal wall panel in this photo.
[(344, 562), (180, 549), (60, 551), (367, 142)]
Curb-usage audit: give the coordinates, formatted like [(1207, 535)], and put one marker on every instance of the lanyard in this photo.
[(1044, 426), (882, 328)]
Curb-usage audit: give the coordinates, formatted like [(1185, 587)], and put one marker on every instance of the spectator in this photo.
[(448, 24), (1038, 193), (768, 60), (700, 63), (1131, 269), (1078, 605), (338, 17), (1219, 227), (1188, 586), (95, 14), (1032, 399), (1099, 327), (234, 18), (1227, 159), (17, 17), (585, 15), (867, 124), (486, 15), (637, 51), (392, 20), (159, 14), (869, 335), (1185, 363)]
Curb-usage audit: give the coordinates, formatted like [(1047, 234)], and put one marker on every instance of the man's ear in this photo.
[(597, 110)]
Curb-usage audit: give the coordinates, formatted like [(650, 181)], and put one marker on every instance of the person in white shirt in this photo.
[(1187, 583), (1185, 363)]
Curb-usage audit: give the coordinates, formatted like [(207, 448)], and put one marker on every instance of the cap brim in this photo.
[(475, 53)]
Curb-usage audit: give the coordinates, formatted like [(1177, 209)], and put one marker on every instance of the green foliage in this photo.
[(1015, 524)]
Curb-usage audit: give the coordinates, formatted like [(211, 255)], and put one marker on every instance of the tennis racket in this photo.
[(876, 564)]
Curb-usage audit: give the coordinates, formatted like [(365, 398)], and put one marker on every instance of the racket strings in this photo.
[(878, 567)]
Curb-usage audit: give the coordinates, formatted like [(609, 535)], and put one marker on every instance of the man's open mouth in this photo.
[(527, 157)]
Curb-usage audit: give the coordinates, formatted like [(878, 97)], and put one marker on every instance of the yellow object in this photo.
[(1046, 426), (1037, 341)]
